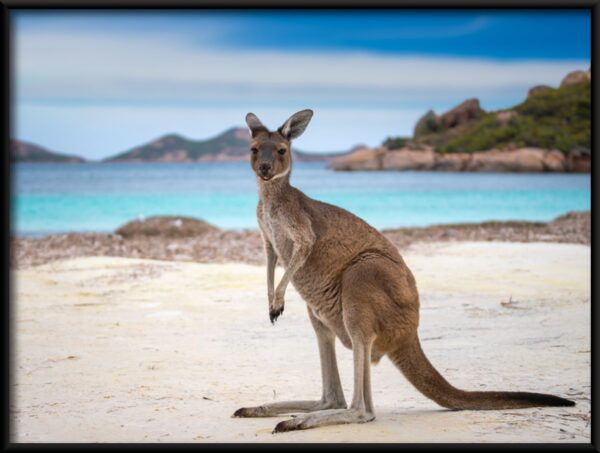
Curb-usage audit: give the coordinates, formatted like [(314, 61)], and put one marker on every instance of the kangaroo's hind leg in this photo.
[(362, 295), (333, 395), (361, 409)]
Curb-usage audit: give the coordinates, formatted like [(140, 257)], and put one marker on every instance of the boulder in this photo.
[(575, 77), (452, 161), (554, 161), (579, 160), (504, 117), (520, 160), (408, 159), (462, 114)]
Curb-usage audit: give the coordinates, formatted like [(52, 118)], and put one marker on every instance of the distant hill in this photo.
[(231, 145), (550, 118), (21, 151)]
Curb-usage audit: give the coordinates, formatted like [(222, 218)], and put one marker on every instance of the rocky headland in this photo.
[(549, 132)]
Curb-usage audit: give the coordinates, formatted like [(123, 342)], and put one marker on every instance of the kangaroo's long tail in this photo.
[(413, 363)]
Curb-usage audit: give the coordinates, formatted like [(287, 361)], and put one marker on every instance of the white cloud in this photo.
[(55, 65), (96, 94)]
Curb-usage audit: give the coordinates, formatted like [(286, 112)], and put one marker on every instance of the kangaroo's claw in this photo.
[(275, 313)]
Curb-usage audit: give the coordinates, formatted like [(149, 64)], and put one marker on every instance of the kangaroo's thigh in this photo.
[(380, 300)]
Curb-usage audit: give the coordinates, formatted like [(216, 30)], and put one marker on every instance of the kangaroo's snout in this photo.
[(264, 168)]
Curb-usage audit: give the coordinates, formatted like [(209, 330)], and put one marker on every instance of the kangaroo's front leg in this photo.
[(333, 395), (271, 262), (303, 238)]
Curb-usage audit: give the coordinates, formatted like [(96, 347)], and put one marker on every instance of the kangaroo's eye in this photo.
[(281, 151), (254, 150)]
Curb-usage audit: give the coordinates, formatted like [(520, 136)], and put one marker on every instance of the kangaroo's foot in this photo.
[(287, 407), (323, 418)]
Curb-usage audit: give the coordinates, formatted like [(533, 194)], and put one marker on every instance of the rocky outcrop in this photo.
[(520, 160), (575, 77), (408, 159), (462, 114), (579, 160), (505, 116), (452, 161), (515, 160)]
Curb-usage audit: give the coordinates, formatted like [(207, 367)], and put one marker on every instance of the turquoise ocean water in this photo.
[(48, 198)]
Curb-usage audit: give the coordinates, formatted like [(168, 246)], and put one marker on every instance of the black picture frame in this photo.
[(9, 6)]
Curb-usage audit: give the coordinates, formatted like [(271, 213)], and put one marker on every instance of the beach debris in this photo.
[(222, 246), (511, 304)]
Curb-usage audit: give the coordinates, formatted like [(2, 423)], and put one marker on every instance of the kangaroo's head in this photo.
[(271, 151)]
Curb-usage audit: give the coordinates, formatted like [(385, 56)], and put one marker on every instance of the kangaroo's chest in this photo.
[(274, 228)]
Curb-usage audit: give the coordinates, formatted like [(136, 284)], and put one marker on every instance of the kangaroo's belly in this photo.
[(322, 294)]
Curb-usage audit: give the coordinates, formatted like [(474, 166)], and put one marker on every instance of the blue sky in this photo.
[(97, 83)]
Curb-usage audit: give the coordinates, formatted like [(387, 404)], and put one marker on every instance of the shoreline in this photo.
[(245, 246)]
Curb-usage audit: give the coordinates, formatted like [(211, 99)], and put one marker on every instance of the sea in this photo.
[(99, 197)]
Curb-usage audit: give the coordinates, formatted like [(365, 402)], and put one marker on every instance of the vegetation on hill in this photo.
[(233, 142), (550, 118), (396, 142)]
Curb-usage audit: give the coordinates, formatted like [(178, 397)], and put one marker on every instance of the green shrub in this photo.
[(552, 119)]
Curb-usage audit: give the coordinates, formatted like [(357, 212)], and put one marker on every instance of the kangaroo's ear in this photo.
[(254, 124), (296, 124)]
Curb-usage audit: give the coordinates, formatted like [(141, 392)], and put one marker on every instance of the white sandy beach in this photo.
[(128, 350)]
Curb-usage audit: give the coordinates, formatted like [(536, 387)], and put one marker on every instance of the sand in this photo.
[(110, 349)]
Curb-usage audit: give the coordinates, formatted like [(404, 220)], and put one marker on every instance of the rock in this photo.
[(579, 160), (166, 226), (407, 159), (554, 161), (520, 160), (506, 160), (452, 161), (462, 114), (575, 77), (504, 117)]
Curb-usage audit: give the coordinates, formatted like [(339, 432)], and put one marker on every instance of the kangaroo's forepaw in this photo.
[(275, 313)]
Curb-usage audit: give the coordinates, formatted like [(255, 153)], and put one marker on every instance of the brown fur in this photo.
[(356, 287)]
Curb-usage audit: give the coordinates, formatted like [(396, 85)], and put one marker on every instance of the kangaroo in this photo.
[(356, 287)]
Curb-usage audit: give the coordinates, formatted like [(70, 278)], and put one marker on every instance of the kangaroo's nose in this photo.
[(264, 168)]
